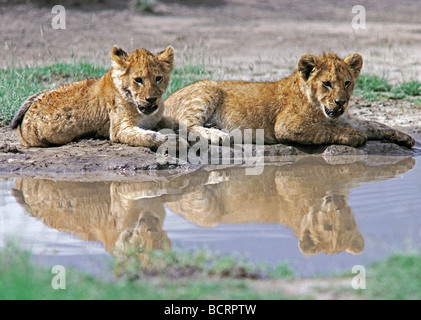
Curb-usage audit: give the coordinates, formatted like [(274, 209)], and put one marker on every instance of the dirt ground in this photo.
[(252, 39), (239, 39)]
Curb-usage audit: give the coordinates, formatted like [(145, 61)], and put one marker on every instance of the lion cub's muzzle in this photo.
[(147, 109), (336, 201), (336, 110), (334, 113)]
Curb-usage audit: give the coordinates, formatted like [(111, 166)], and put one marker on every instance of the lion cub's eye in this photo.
[(158, 79), (327, 84), (347, 83), (138, 80)]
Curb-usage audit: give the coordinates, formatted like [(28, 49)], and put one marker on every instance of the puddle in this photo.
[(319, 215)]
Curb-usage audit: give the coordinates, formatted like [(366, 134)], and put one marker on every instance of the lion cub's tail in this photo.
[(17, 119)]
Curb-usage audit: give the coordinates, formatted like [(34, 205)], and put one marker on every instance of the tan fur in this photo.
[(308, 107), (114, 106)]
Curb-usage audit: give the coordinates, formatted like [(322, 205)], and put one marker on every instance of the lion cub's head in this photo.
[(142, 77), (331, 229), (330, 80)]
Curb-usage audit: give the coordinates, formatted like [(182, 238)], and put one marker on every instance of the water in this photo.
[(320, 215)]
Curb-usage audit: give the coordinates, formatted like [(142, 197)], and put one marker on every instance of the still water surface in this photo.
[(320, 216)]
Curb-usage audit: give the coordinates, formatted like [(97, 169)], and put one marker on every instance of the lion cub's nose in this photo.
[(340, 103), (151, 99)]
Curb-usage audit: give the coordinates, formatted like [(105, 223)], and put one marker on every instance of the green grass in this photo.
[(185, 75), (397, 278), (410, 88), (175, 276), (145, 5), (20, 279), (373, 87), (373, 83)]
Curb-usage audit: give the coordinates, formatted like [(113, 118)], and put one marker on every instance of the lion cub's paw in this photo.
[(402, 139), (160, 138), (214, 136), (155, 140), (354, 138), (175, 142)]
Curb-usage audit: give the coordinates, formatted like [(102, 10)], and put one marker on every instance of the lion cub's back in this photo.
[(229, 104), (62, 114), (193, 98)]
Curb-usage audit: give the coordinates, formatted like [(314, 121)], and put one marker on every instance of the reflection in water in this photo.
[(308, 196)]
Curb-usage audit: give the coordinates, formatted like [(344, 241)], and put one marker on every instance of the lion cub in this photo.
[(308, 107), (124, 105)]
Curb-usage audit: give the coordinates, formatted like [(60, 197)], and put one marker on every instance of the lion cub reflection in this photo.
[(115, 213), (308, 196)]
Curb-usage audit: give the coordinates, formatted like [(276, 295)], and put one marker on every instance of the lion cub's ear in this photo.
[(355, 62), (167, 56), (119, 57), (306, 65), (356, 245), (307, 245)]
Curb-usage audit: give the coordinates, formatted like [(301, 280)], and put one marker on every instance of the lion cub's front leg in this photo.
[(123, 131), (138, 137), (318, 133), (378, 131)]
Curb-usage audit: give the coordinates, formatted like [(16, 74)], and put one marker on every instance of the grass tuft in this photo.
[(373, 83), (373, 87), (145, 5), (135, 263), (410, 88)]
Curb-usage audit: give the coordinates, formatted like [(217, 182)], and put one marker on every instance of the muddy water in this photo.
[(320, 215)]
